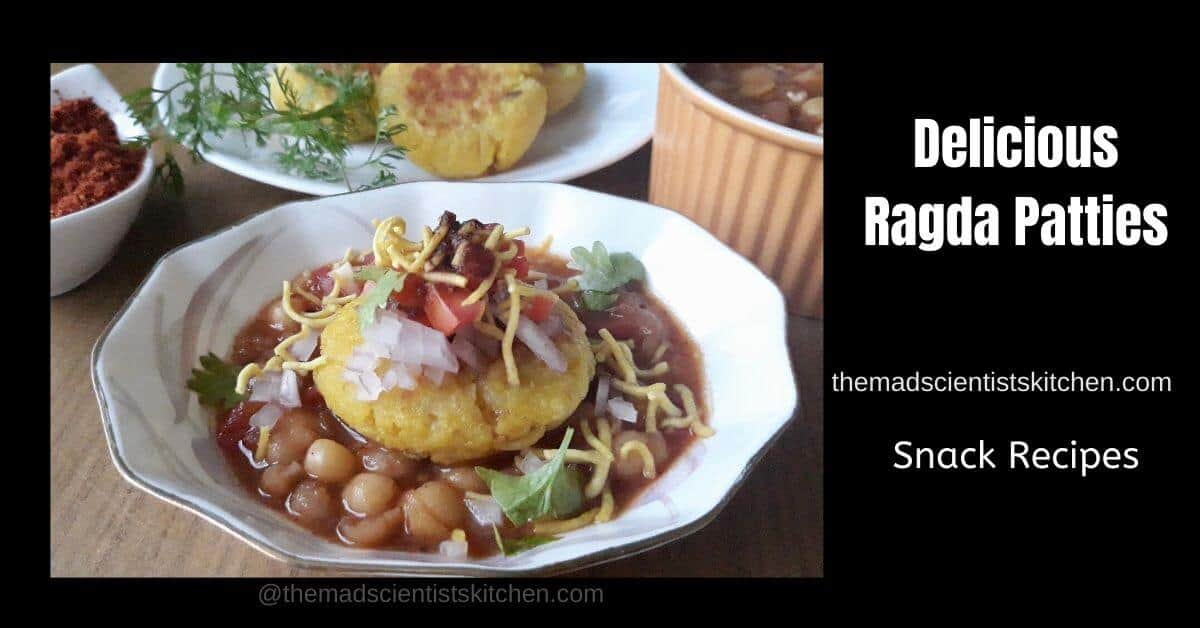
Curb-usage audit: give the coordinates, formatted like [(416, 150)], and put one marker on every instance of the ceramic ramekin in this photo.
[(756, 185), (83, 242)]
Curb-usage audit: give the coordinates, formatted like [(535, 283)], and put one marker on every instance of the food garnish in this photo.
[(602, 273), (539, 494), (520, 544), (376, 298), (315, 144), (215, 383), (425, 374)]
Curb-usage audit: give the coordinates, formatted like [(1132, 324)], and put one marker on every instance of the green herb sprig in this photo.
[(518, 545), (547, 492), (602, 273), (386, 281), (314, 144), (215, 383)]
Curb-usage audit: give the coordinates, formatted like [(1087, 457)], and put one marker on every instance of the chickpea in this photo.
[(627, 467), (777, 111), (756, 81), (814, 108), (464, 478), (432, 511), (369, 493), (328, 461), (396, 466), (279, 479), (312, 503), (371, 531), (292, 435)]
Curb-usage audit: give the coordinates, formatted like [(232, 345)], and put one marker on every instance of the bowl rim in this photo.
[(433, 569), (793, 138), (135, 185)]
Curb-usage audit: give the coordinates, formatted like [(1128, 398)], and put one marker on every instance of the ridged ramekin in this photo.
[(756, 185)]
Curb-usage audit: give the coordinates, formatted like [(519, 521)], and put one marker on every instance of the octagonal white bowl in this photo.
[(198, 296)]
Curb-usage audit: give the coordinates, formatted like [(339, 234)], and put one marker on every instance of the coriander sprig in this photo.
[(314, 144)]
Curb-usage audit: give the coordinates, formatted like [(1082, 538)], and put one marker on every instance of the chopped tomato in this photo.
[(410, 297), (519, 263), (444, 308), (538, 309)]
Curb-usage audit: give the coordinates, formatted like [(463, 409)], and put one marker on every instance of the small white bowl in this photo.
[(83, 242), (198, 296)]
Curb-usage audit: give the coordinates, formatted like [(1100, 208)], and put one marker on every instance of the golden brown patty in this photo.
[(311, 95), (469, 415), (464, 119), (563, 83)]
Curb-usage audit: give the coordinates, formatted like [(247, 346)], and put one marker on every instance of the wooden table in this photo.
[(99, 525)]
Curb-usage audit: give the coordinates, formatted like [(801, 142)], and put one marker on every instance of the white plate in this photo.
[(198, 296), (611, 118)]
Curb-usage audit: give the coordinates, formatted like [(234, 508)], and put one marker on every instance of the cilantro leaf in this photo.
[(215, 383), (596, 301), (627, 267), (529, 497), (518, 545), (601, 273), (378, 296), (566, 494), (369, 273)]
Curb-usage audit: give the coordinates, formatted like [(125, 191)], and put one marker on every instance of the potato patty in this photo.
[(464, 119), (311, 95), (470, 415), (563, 83)]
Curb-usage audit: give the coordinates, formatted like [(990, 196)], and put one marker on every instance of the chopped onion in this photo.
[(412, 349), (466, 351), (485, 511), (289, 390), (486, 344), (266, 416), (303, 348), (345, 273), (377, 349), (361, 361), (369, 386), (403, 377), (453, 549), (265, 386), (542, 284), (418, 345), (553, 325), (540, 344), (622, 410), (602, 385), (433, 375), (529, 463)]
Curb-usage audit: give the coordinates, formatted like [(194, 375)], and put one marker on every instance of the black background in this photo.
[(890, 311), (1098, 311)]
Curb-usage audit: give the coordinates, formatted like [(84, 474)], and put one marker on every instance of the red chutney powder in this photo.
[(87, 162)]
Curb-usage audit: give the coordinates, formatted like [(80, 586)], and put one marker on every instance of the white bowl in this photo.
[(198, 296), (83, 242)]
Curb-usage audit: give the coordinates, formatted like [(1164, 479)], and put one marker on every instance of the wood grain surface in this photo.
[(102, 526)]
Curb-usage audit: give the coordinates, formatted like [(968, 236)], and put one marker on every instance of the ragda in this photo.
[(451, 390)]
